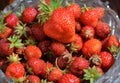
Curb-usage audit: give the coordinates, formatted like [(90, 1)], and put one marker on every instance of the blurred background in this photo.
[(114, 4)]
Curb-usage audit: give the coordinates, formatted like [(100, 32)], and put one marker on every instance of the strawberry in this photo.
[(6, 33), (89, 17), (78, 65), (87, 32), (37, 32), (77, 44), (99, 69), (60, 22), (44, 45), (75, 9), (5, 47), (32, 79), (107, 60), (48, 2), (58, 48), (91, 47), (32, 51), (100, 12), (77, 26), (29, 15), (69, 78), (11, 20), (15, 70), (111, 43), (55, 74), (102, 29), (35, 65)]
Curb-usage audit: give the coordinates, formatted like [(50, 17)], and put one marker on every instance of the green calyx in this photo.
[(2, 25), (85, 8), (113, 49), (47, 9), (91, 74), (30, 41)]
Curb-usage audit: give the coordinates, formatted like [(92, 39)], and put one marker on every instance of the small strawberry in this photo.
[(44, 45), (78, 65), (102, 29), (69, 78), (29, 15), (99, 69), (87, 32), (107, 60), (57, 48), (37, 32), (75, 9), (32, 51), (15, 70), (11, 20), (35, 65), (55, 74), (32, 79), (91, 47)]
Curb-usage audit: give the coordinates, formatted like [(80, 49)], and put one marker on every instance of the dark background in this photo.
[(114, 4)]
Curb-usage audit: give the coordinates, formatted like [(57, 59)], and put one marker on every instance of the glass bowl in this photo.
[(111, 17)]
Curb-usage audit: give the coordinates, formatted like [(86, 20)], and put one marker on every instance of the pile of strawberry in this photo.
[(51, 43)]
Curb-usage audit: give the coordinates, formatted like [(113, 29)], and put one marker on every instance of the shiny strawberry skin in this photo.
[(36, 64), (32, 51), (78, 65), (11, 20), (60, 23), (107, 60), (69, 78), (29, 15), (91, 47), (15, 70)]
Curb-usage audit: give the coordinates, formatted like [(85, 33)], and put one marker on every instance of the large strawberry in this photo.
[(91, 47), (69, 78)]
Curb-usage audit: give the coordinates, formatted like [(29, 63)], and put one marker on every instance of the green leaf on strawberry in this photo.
[(15, 41), (91, 74), (2, 25)]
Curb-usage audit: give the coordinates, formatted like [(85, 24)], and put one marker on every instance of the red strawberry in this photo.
[(91, 47), (29, 15), (111, 43), (5, 47), (6, 34), (78, 65), (32, 51), (16, 70), (77, 26), (107, 60), (87, 32), (99, 69), (100, 11), (89, 17), (75, 9), (48, 2), (58, 48), (102, 29), (36, 65), (37, 32), (60, 23), (77, 44), (55, 74), (44, 45), (11, 20), (69, 78), (32, 79)]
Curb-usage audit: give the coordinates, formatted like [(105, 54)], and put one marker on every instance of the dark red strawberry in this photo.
[(15, 70), (87, 32), (11, 20), (5, 47), (78, 65), (55, 74), (107, 60), (36, 65), (102, 29), (37, 32), (75, 9), (44, 45), (32, 79), (29, 15), (69, 78), (32, 51), (58, 48)]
